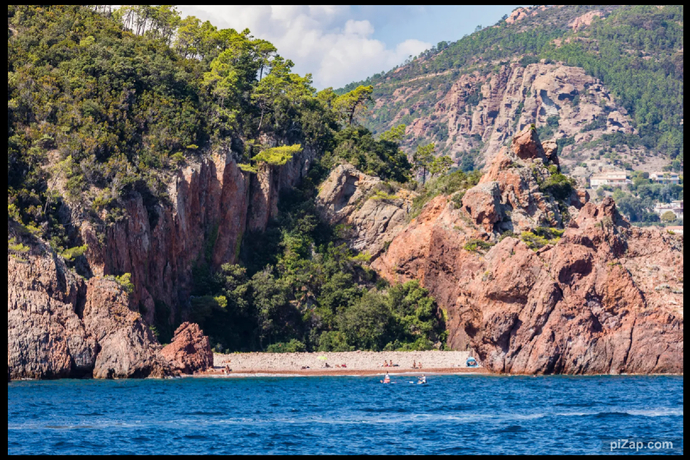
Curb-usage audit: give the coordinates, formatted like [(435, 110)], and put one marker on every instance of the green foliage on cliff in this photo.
[(301, 286), (457, 181), (104, 106), (277, 156), (382, 158), (541, 236)]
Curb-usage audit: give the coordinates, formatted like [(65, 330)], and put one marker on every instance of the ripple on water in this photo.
[(453, 415)]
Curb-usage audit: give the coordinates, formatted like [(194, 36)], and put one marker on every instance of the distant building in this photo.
[(676, 207), (665, 177), (612, 178), (677, 229)]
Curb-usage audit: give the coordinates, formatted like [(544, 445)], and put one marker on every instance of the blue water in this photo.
[(453, 414)]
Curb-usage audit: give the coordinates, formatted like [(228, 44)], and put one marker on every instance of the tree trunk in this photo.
[(261, 120)]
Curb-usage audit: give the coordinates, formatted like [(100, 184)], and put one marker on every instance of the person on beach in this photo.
[(419, 365), (414, 364)]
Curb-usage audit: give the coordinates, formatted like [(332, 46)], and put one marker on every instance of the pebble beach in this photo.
[(342, 363)]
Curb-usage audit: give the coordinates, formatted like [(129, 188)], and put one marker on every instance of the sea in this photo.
[(451, 414)]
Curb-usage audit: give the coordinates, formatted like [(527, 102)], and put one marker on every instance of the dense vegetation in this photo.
[(104, 104), (299, 288), (636, 51)]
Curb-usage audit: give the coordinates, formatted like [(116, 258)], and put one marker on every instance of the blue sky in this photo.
[(340, 44)]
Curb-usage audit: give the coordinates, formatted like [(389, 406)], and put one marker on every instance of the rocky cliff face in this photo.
[(605, 298), (513, 97), (61, 325), (212, 204), (371, 220)]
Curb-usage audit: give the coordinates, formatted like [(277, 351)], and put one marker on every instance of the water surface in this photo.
[(453, 414)]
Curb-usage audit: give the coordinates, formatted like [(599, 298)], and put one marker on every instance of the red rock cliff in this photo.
[(61, 325), (213, 203), (605, 298)]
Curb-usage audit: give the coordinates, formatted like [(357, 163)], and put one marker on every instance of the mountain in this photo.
[(606, 82), (171, 182), (530, 274)]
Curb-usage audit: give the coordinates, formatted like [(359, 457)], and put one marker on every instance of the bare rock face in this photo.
[(59, 326), (527, 146), (190, 350), (512, 98), (605, 298), (349, 197), (46, 337), (584, 20), (128, 348), (213, 204), (509, 195)]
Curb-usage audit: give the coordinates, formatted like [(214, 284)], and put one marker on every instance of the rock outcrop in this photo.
[(212, 205), (128, 349), (604, 298), (510, 195), (584, 20), (370, 211), (60, 325), (190, 350), (46, 337)]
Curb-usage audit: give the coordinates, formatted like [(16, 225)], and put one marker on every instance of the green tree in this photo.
[(440, 165), (395, 134), (668, 216), (353, 102), (367, 324), (422, 159)]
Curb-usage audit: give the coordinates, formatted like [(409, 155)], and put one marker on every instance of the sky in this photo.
[(341, 44)]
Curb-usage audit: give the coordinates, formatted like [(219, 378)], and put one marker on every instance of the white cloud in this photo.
[(362, 28), (325, 41)]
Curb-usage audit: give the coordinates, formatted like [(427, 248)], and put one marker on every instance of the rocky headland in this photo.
[(532, 279), (536, 283)]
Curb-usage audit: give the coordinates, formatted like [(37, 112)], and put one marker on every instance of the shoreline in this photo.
[(217, 373)]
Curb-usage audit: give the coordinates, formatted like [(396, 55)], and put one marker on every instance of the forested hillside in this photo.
[(107, 109), (635, 52)]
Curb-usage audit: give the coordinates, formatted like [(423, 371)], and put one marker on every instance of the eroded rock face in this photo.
[(348, 197), (127, 346), (513, 97), (190, 350), (46, 337), (605, 298), (60, 327), (509, 195), (213, 204)]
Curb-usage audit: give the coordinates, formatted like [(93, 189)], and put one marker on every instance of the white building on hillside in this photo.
[(665, 177), (612, 178), (676, 207)]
